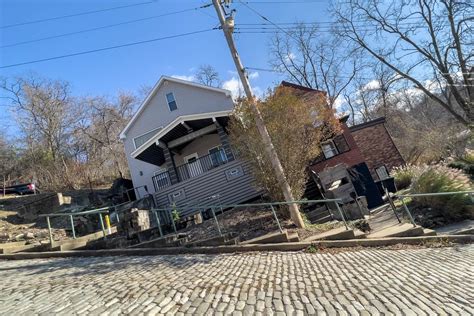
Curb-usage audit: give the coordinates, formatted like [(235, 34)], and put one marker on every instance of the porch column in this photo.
[(224, 141), (169, 163)]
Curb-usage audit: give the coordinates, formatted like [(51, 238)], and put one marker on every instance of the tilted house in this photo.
[(177, 146)]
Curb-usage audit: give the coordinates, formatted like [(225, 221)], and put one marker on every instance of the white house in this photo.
[(177, 146)]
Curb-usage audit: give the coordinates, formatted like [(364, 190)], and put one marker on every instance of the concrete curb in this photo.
[(291, 246)]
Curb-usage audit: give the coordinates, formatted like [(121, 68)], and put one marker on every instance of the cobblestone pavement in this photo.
[(411, 281)]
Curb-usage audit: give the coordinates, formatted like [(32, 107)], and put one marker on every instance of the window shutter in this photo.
[(341, 144)]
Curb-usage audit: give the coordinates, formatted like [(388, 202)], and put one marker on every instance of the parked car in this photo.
[(20, 189)]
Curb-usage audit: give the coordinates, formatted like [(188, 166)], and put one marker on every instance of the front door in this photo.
[(193, 165)]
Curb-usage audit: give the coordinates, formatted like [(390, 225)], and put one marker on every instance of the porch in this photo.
[(186, 148), (194, 167)]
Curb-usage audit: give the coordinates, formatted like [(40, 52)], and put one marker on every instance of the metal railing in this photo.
[(414, 195), (214, 207), (99, 211), (137, 192), (161, 180), (201, 165), (191, 169), (199, 209)]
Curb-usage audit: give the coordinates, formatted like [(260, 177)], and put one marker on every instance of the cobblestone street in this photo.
[(412, 281)]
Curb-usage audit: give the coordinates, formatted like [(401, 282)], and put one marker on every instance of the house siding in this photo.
[(200, 146), (232, 190), (377, 146)]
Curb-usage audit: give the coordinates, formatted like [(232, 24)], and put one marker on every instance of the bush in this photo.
[(440, 178), (465, 163), (404, 175)]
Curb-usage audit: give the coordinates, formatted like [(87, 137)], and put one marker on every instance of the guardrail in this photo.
[(402, 196), (99, 211), (271, 205)]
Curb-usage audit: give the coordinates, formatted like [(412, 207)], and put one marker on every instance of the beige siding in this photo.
[(200, 146)]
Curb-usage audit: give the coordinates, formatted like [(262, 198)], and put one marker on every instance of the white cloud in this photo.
[(371, 85), (338, 103), (184, 77), (253, 75), (235, 87)]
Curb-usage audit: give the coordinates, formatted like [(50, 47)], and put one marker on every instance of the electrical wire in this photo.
[(106, 48), (104, 26), (74, 15)]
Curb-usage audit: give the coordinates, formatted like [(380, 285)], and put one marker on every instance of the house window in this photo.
[(217, 155), (329, 149), (382, 172), (171, 101)]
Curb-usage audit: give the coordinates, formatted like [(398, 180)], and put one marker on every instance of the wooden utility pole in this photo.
[(227, 26)]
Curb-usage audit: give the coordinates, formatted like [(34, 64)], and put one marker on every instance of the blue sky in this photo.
[(129, 68)]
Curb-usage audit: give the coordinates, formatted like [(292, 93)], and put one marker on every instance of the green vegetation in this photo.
[(404, 175), (465, 163), (440, 178)]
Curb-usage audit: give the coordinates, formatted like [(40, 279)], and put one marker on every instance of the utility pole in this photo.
[(227, 26)]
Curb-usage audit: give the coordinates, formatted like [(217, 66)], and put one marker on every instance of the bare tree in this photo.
[(313, 60), (368, 99), (67, 142), (98, 134), (45, 111), (7, 162), (47, 116), (208, 75), (428, 43)]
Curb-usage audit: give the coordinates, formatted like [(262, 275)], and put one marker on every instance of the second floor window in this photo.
[(171, 101), (329, 149)]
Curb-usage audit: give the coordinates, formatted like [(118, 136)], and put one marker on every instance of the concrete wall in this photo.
[(189, 99)]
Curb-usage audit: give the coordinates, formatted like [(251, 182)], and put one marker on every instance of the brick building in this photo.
[(377, 147)]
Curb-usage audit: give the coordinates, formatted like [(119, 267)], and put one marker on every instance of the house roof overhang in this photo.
[(177, 128), (161, 81)]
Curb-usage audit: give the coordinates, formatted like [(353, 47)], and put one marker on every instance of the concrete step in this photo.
[(358, 234), (215, 241), (429, 232), (399, 230), (340, 233), (71, 245), (23, 248), (165, 241), (271, 238), (293, 237)]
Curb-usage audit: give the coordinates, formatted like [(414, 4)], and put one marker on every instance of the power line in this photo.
[(73, 15), (287, 2), (107, 48), (263, 17), (346, 76), (105, 26)]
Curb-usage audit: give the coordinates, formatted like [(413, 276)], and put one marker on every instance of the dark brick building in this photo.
[(366, 149), (377, 147)]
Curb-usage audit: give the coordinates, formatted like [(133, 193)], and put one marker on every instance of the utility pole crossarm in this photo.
[(268, 145)]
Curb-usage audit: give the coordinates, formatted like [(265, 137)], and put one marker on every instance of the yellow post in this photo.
[(107, 223)]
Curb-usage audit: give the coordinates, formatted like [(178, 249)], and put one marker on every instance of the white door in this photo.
[(193, 165)]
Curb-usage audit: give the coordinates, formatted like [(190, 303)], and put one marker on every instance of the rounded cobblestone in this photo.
[(367, 282)]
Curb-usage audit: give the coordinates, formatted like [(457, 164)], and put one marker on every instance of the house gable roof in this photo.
[(156, 88), (173, 124), (380, 120), (300, 87)]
